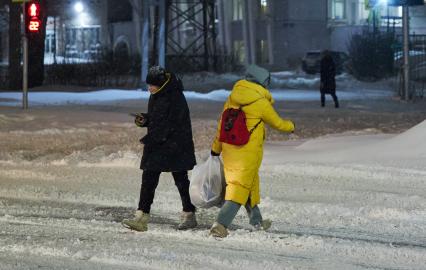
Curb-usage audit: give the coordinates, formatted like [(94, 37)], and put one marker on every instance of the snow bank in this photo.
[(362, 149), (97, 158), (298, 82), (408, 145), (411, 143), (283, 73), (63, 98)]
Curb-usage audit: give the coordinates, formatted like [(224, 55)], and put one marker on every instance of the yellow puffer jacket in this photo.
[(242, 163)]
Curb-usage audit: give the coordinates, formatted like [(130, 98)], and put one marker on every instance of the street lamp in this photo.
[(79, 7)]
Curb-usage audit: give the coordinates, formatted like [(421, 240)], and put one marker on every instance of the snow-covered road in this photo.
[(346, 202)]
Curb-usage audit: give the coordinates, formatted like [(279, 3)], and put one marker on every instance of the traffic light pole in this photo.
[(406, 29), (25, 64)]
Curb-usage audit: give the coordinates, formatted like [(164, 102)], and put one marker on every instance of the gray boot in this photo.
[(187, 221), (218, 230), (264, 225), (138, 223)]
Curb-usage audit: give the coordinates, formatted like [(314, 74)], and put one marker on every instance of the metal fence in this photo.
[(417, 66)]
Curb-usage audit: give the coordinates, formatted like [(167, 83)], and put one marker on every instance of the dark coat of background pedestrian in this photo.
[(328, 74), (168, 145)]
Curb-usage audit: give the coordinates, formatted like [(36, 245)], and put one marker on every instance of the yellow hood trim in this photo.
[(246, 92), (168, 75)]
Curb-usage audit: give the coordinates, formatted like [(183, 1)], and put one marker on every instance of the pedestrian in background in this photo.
[(328, 78), (168, 146)]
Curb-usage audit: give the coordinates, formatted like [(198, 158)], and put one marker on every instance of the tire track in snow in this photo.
[(161, 236), (115, 214)]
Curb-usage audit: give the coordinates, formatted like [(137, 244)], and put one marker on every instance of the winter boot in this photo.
[(138, 223), (187, 221), (264, 225), (218, 230)]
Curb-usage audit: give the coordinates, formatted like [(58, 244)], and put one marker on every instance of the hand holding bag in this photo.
[(207, 186)]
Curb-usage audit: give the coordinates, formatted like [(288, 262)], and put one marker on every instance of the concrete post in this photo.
[(248, 32), (162, 33), (406, 29), (145, 41), (270, 29), (252, 30)]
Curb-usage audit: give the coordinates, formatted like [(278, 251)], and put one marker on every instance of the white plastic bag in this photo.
[(207, 187)]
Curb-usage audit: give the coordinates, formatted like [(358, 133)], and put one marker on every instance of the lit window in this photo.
[(338, 9), (237, 6), (263, 7), (239, 51), (262, 52)]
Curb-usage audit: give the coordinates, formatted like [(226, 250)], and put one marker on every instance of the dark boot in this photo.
[(336, 101)]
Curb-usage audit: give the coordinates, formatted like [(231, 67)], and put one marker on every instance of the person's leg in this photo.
[(182, 184), (322, 99), (149, 184), (187, 218), (142, 217), (256, 219), (227, 213), (336, 101), (254, 214)]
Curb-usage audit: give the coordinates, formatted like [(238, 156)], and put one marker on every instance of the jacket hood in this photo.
[(246, 92), (258, 74), (172, 83)]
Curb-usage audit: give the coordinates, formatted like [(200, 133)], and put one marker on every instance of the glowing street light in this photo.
[(79, 7)]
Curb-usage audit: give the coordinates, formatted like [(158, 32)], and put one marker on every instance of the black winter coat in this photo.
[(168, 145), (328, 75)]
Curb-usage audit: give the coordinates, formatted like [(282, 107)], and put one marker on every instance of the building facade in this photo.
[(272, 33), (75, 30), (282, 31)]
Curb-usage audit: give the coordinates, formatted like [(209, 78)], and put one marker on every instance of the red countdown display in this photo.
[(32, 15)]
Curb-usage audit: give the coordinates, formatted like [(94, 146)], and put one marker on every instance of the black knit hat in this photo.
[(156, 76)]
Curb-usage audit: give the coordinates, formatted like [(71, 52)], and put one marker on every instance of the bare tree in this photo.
[(137, 21), (4, 14), (4, 25)]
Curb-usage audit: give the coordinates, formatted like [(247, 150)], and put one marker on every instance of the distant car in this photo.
[(418, 72), (312, 59), (416, 57)]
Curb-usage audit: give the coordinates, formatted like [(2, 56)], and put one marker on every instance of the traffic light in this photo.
[(32, 18)]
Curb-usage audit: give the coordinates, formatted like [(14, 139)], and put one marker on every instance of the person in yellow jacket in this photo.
[(241, 163)]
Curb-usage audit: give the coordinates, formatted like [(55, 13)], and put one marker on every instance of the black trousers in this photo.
[(333, 95), (150, 182)]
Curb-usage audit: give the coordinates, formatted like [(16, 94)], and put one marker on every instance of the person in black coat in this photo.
[(168, 146), (328, 78)]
